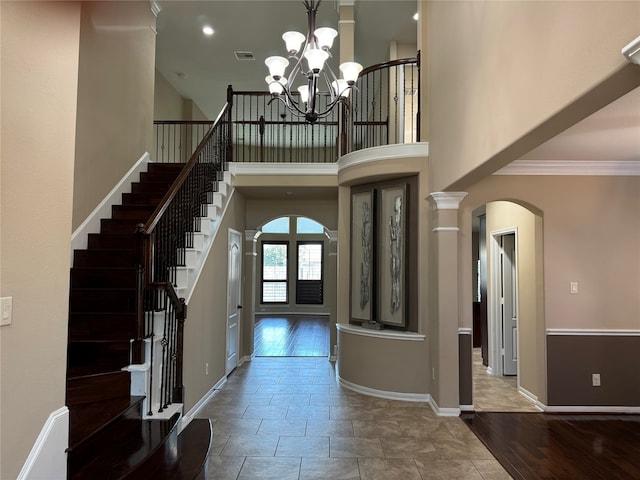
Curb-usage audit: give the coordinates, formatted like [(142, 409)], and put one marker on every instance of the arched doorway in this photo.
[(292, 309), (507, 257)]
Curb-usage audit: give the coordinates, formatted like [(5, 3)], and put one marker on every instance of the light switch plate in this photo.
[(6, 310)]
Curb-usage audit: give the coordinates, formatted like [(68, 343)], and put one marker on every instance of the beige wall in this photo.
[(39, 87), (590, 235), (205, 327), (397, 366), (507, 216), (420, 354), (168, 104), (499, 71), (115, 97)]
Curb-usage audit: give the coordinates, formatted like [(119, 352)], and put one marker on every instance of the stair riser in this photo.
[(131, 212), (158, 177), (142, 198), (103, 278), (97, 388), (155, 187), (113, 301), (105, 258), (112, 241), (93, 358), (121, 225), (99, 326)]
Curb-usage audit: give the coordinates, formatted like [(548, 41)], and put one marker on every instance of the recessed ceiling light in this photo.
[(207, 30), (415, 17)]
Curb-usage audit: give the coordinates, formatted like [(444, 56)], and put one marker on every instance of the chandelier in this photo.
[(319, 79)]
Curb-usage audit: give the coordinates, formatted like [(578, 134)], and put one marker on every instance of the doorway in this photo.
[(507, 256), (293, 303)]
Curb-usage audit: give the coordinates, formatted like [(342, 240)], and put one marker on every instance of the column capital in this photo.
[(446, 200), (251, 235), (332, 235)]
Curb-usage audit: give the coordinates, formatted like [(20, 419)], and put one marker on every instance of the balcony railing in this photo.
[(383, 109)]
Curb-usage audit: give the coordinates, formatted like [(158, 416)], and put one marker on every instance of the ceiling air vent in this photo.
[(244, 56)]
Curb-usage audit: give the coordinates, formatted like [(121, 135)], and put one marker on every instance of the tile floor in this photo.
[(496, 394), (287, 418)]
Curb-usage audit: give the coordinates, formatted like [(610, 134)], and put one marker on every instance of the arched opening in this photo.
[(292, 309), (507, 289)]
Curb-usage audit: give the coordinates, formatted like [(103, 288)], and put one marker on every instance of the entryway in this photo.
[(506, 355)]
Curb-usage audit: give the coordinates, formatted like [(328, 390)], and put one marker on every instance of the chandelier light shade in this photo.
[(315, 49)]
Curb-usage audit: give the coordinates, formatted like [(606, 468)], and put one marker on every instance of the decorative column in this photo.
[(250, 291), (443, 301)]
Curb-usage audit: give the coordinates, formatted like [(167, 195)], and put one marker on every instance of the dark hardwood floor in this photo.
[(291, 336), (535, 446)]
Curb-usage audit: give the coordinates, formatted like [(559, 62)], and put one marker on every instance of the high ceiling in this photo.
[(201, 67)]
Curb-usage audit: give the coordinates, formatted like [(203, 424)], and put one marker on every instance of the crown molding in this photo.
[(155, 8), (567, 167)]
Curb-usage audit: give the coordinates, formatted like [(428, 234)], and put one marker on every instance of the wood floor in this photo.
[(536, 446), (291, 336)]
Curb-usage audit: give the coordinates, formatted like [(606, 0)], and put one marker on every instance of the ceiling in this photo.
[(201, 67)]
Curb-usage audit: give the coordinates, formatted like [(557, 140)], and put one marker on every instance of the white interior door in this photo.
[(508, 304), (234, 288)]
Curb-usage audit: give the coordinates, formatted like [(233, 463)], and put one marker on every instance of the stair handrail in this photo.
[(174, 221), (150, 225)]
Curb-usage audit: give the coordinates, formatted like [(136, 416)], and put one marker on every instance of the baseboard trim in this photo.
[(48, 458), (467, 408), (443, 412), (407, 397), (186, 418), (588, 409), (598, 332)]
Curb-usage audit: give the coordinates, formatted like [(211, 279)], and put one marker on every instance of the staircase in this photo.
[(110, 436)]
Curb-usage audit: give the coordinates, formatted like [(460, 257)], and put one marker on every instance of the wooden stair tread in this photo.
[(87, 420), (194, 444), (131, 456)]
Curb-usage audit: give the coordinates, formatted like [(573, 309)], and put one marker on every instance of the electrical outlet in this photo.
[(573, 288), (595, 379), (206, 368)]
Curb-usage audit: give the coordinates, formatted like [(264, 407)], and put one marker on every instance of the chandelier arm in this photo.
[(331, 106), (290, 103), (295, 111), (329, 79)]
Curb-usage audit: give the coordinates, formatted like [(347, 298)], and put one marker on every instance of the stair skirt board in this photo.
[(103, 210)]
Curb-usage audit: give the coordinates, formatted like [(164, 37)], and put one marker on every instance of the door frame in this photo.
[(231, 309), (495, 327)]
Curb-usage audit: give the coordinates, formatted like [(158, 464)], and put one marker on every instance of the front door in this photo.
[(234, 287)]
